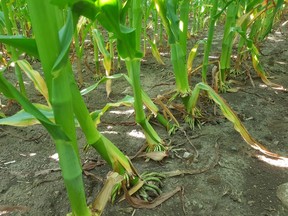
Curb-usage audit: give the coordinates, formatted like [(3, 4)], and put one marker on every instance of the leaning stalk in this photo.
[(108, 151)]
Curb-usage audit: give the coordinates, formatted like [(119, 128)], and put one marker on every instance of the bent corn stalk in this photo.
[(231, 116)]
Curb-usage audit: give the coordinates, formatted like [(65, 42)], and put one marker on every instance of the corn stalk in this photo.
[(9, 20)]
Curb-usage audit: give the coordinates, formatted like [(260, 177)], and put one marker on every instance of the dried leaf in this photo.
[(133, 190), (156, 156), (4, 209), (138, 203), (233, 90), (104, 195)]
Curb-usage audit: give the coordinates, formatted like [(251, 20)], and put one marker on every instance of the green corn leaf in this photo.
[(62, 3), (126, 101), (126, 44), (101, 45), (11, 92), (124, 10), (23, 118), (146, 99), (2, 20), (109, 15), (172, 6), (103, 80), (65, 35), (253, 4), (85, 8), (21, 43), (161, 7), (270, 21)]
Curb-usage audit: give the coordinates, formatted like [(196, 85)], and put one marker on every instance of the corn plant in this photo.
[(128, 47), (254, 17), (227, 42), (65, 99), (83, 28), (11, 28), (174, 28), (213, 17), (107, 60), (54, 29)]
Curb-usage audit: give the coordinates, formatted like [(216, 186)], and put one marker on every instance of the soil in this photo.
[(236, 184)]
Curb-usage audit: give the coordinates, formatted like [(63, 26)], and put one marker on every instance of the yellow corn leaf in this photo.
[(35, 77), (231, 116), (191, 57), (155, 52), (104, 195), (108, 88), (241, 19), (23, 118), (107, 62), (261, 73), (133, 190)]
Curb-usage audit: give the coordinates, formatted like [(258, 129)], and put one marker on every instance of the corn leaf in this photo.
[(85, 8), (271, 19), (11, 92), (255, 60), (104, 195), (169, 26), (21, 43), (2, 21), (104, 79), (65, 36), (126, 101), (109, 16), (36, 78), (101, 45), (230, 115), (23, 118), (192, 56), (155, 52)]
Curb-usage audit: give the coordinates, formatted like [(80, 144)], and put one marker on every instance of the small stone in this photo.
[(251, 202), (187, 155), (56, 193), (282, 193)]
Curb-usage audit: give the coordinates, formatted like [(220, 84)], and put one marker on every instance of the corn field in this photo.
[(157, 107)]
